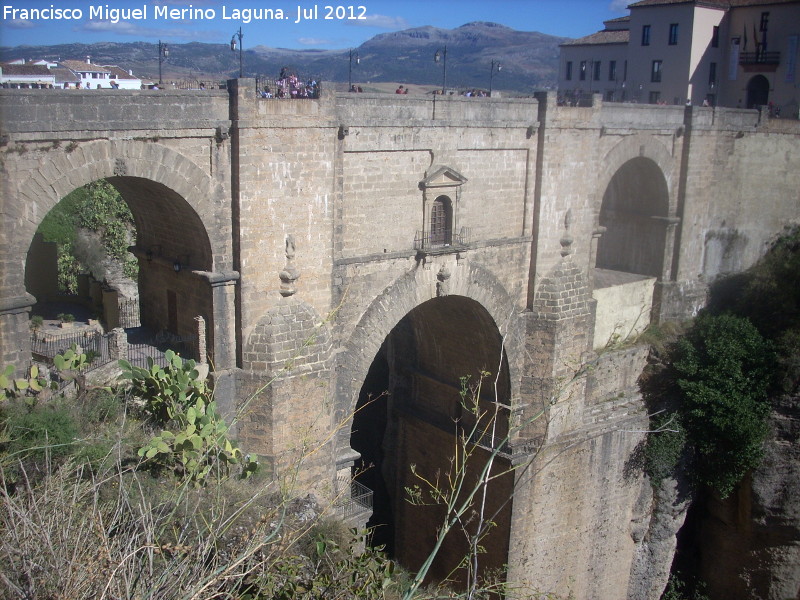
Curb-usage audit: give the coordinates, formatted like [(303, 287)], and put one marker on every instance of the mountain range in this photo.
[(529, 59)]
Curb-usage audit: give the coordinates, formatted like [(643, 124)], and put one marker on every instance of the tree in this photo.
[(724, 369)]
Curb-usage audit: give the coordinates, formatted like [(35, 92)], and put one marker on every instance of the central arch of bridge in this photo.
[(412, 411)]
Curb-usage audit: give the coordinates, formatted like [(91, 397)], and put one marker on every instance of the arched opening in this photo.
[(631, 252), (441, 226), (411, 412), (757, 91), (633, 213), (169, 243)]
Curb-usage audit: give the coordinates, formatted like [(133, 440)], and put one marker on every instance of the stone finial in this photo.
[(566, 239), (443, 283), (290, 274)]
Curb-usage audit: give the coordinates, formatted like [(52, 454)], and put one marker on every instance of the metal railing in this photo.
[(356, 499), (490, 442), (44, 346), (129, 313), (426, 240), (139, 353), (759, 58)]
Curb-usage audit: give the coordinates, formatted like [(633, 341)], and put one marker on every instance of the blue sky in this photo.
[(57, 24)]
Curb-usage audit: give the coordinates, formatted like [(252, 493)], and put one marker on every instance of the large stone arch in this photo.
[(634, 208), (417, 341), (404, 295), (176, 205)]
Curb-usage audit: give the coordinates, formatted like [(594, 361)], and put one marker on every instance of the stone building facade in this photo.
[(355, 256)]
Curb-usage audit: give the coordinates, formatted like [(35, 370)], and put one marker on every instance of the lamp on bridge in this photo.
[(233, 48), (163, 52), (495, 66), (441, 56), (350, 71)]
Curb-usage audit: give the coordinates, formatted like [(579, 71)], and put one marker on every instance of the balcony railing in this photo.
[(426, 240), (359, 498), (759, 58)]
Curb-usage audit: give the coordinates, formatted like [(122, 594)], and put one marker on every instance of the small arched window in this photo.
[(441, 221)]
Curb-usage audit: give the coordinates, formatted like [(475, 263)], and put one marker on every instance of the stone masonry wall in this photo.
[(332, 190)]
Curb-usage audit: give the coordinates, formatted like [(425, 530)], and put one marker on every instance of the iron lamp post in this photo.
[(496, 66), (441, 56), (353, 55), (163, 52), (233, 49)]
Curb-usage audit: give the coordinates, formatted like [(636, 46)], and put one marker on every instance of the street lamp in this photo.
[(233, 48), (499, 67), (163, 52), (350, 71), (441, 55)]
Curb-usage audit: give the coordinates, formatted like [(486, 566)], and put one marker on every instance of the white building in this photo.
[(93, 76), (728, 52), (19, 75)]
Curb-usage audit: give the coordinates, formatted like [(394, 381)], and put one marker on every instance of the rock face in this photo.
[(749, 543), (657, 539)]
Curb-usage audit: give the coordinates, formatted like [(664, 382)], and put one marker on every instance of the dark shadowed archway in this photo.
[(757, 91), (410, 412), (634, 210)]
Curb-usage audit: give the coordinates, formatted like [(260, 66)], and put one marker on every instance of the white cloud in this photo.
[(313, 41), (19, 24), (382, 21), (132, 29), (619, 5)]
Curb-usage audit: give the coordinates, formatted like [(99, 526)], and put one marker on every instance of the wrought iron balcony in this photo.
[(356, 499), (759, 58), (442, 239)]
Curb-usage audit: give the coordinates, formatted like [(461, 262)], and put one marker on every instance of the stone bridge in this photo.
[(355, 256)]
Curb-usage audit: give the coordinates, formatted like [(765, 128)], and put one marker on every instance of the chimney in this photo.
[(88, 60)]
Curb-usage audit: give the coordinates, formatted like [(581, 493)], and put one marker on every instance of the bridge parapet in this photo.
[(399, 108), (56, 111)]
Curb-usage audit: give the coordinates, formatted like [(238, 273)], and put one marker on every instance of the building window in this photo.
[(673, 34), (712, 74), (655, 72), (715, 37), (645, 35), (441, 221), (582, 74), (655, 97), (764, 21), (612, 70), (625, 71), (596, 75), (568, 74)]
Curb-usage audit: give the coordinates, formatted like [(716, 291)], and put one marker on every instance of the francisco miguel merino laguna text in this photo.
[(190, 13)]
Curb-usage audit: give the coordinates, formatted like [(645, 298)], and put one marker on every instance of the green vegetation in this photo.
[(724, 370), (196, 443), (712, 389), (96, 207)]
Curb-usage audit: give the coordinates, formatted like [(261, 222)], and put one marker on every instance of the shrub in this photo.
[(724, 368), (665, 446), (37, 429)]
